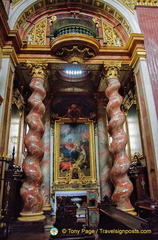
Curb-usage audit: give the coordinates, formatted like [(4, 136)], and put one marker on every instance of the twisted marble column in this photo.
[(30, 190), (45, 164), (119, 177), (103, 149)]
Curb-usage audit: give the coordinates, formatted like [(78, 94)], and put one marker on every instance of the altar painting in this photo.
[(74, 146)]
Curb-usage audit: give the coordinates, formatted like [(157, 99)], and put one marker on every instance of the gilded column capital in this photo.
[(38, 69), (112, 69)]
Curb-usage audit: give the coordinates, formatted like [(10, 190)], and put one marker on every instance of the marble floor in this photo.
[(35, 236), (32, 236), (39, 236)]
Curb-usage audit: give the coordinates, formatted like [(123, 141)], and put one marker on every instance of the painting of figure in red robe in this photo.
[(74, 147)]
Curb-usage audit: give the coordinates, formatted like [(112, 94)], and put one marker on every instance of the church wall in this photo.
[(6, 81), (148, 19), (145, 99)]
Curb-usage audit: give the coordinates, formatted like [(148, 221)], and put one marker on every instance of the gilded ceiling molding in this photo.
[(101, 5), (130, 4)]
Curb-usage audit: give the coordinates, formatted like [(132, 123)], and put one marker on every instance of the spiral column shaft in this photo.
[(30, 190), (103, 153), (119, 177)]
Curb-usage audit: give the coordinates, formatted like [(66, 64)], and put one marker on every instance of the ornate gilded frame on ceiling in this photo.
[(74, 151)]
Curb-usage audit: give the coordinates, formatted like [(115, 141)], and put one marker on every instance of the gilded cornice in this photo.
[(127, 54), (139, 53), (14, 37), (153, 3), (136, 48), (9, 52)]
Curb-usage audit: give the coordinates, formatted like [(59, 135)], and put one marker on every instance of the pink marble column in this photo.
[(103, 149), (45, 164), (119, 177), (30, 190)]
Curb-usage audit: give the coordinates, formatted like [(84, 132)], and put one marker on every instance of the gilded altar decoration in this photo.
[(18, 99), (38, 69), (112, 68), (110, 36), (74, 164), (75, 54), (53, 20), (37, 35), (119, 177), (128, 101)]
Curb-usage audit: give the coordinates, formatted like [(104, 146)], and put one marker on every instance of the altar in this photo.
[(70, 194), (86, 202)]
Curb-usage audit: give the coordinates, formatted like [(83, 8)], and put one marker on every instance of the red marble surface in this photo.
[(103, 151), (122, 184), (30, 190), (148, 20)]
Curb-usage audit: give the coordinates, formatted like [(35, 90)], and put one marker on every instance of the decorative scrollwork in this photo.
[(110, 36), (37, 35)]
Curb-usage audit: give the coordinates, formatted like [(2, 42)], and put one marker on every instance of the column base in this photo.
[(28, 226), (47, 207), (26, 217), (130, 211)]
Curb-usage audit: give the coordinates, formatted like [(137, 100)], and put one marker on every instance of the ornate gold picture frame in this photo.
[(74, 151)]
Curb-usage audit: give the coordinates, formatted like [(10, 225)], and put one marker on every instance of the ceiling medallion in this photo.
[(75, 54)]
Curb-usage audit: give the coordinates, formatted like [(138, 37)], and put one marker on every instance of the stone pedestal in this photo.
[(29, 227)]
